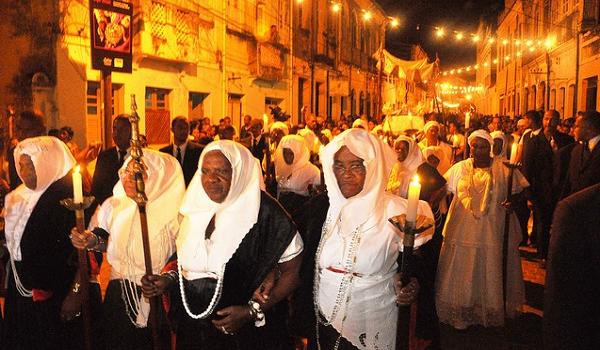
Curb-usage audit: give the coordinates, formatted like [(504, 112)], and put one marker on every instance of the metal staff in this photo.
[(141, 199), (511, 169), (84, 277), (406, 269)]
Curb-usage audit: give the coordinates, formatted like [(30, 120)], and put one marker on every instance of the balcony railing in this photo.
[(267, 60)]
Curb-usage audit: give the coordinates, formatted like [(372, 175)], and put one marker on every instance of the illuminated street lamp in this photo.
[(439, 32)]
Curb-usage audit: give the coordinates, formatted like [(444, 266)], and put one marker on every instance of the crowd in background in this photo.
[(465, 277)]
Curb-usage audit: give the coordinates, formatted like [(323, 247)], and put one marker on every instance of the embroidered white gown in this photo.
[(469, 276)]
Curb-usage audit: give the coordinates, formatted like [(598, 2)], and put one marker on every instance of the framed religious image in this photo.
[(111, 35)]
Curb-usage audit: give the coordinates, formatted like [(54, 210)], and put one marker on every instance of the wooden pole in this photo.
[(141, 199), (84, 283), (511, 169), (108, 106)]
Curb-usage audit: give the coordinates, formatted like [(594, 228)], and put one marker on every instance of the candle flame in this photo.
[(77, 169), (416, 179)]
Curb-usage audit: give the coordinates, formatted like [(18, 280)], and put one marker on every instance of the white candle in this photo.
[(513, 153), (467, 119), (265, 121), (455, 142), (77, 186), (414, 191)]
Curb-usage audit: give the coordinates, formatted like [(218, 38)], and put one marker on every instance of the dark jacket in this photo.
[(190, 160), (582, 173), (106, 174), (571, 301)]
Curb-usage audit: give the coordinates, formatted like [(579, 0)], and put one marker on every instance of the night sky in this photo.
[(451, 14)]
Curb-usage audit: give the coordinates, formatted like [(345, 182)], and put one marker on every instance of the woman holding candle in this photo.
[(43, 295), (409, 158), (352, 249), (469, 278), (117, 232)]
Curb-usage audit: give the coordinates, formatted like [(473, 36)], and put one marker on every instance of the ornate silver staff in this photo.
[(141, 199)]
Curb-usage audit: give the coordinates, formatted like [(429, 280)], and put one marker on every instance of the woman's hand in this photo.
[(71, 306), (85, 240), (406, 295), (262, 294), (155, 285), (234, 318)]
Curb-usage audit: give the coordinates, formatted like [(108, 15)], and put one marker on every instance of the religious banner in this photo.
[(111, 35)]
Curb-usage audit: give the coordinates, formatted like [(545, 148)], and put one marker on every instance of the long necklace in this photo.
[(484, 205), (345, 287), (214, 300)]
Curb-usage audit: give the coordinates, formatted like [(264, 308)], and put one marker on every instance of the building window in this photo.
[(270, 103), (196, 105), (553, 99), (158, 116), (561, 101), (591, 93), (572, 104)]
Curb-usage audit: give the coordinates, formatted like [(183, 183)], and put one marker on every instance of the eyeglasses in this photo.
[(354, 169)]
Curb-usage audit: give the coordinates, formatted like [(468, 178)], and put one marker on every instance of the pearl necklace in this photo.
[(345, 287), (485, 198), (213, 302)]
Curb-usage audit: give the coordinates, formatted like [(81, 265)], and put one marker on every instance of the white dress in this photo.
[(469, 276)]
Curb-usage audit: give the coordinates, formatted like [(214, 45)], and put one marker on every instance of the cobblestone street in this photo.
[(524, 333)]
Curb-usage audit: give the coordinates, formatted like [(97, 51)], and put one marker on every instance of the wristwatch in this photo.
[(256, 311)]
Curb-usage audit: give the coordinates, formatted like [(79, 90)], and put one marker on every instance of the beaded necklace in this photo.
[(214, 300), (345, 287), (484, 205)]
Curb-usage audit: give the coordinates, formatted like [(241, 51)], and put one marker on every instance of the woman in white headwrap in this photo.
[(232, 235), (409, 158), (296, 175), (432, 141), (355, 260), (469, 278), (117, 230), (41, 281), (500, 148)]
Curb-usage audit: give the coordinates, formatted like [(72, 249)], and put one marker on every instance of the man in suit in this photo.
[(527, 156), (571, 303), (110, 160), (258, 143), (186, 152), (540, 157), (584, 166)]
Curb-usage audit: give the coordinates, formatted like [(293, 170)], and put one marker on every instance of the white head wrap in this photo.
[(312, 141), (429, 125), (414, 157), (482, 134), (378, 159), (360, 123), (500, 136), (52, 160), (281, 126), (164, 188), (234, 217), (301, 155)]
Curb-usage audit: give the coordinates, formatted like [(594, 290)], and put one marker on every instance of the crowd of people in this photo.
[(278, 235)]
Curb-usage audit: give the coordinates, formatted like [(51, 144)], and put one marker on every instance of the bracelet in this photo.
[(257, 313), (172, 275), (99, 242), (76, 287)]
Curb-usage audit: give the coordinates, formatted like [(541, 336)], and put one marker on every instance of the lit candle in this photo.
[(455, 141), (467, 119), (513, 153), (265, 121), (77, 186), (414, 191)]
